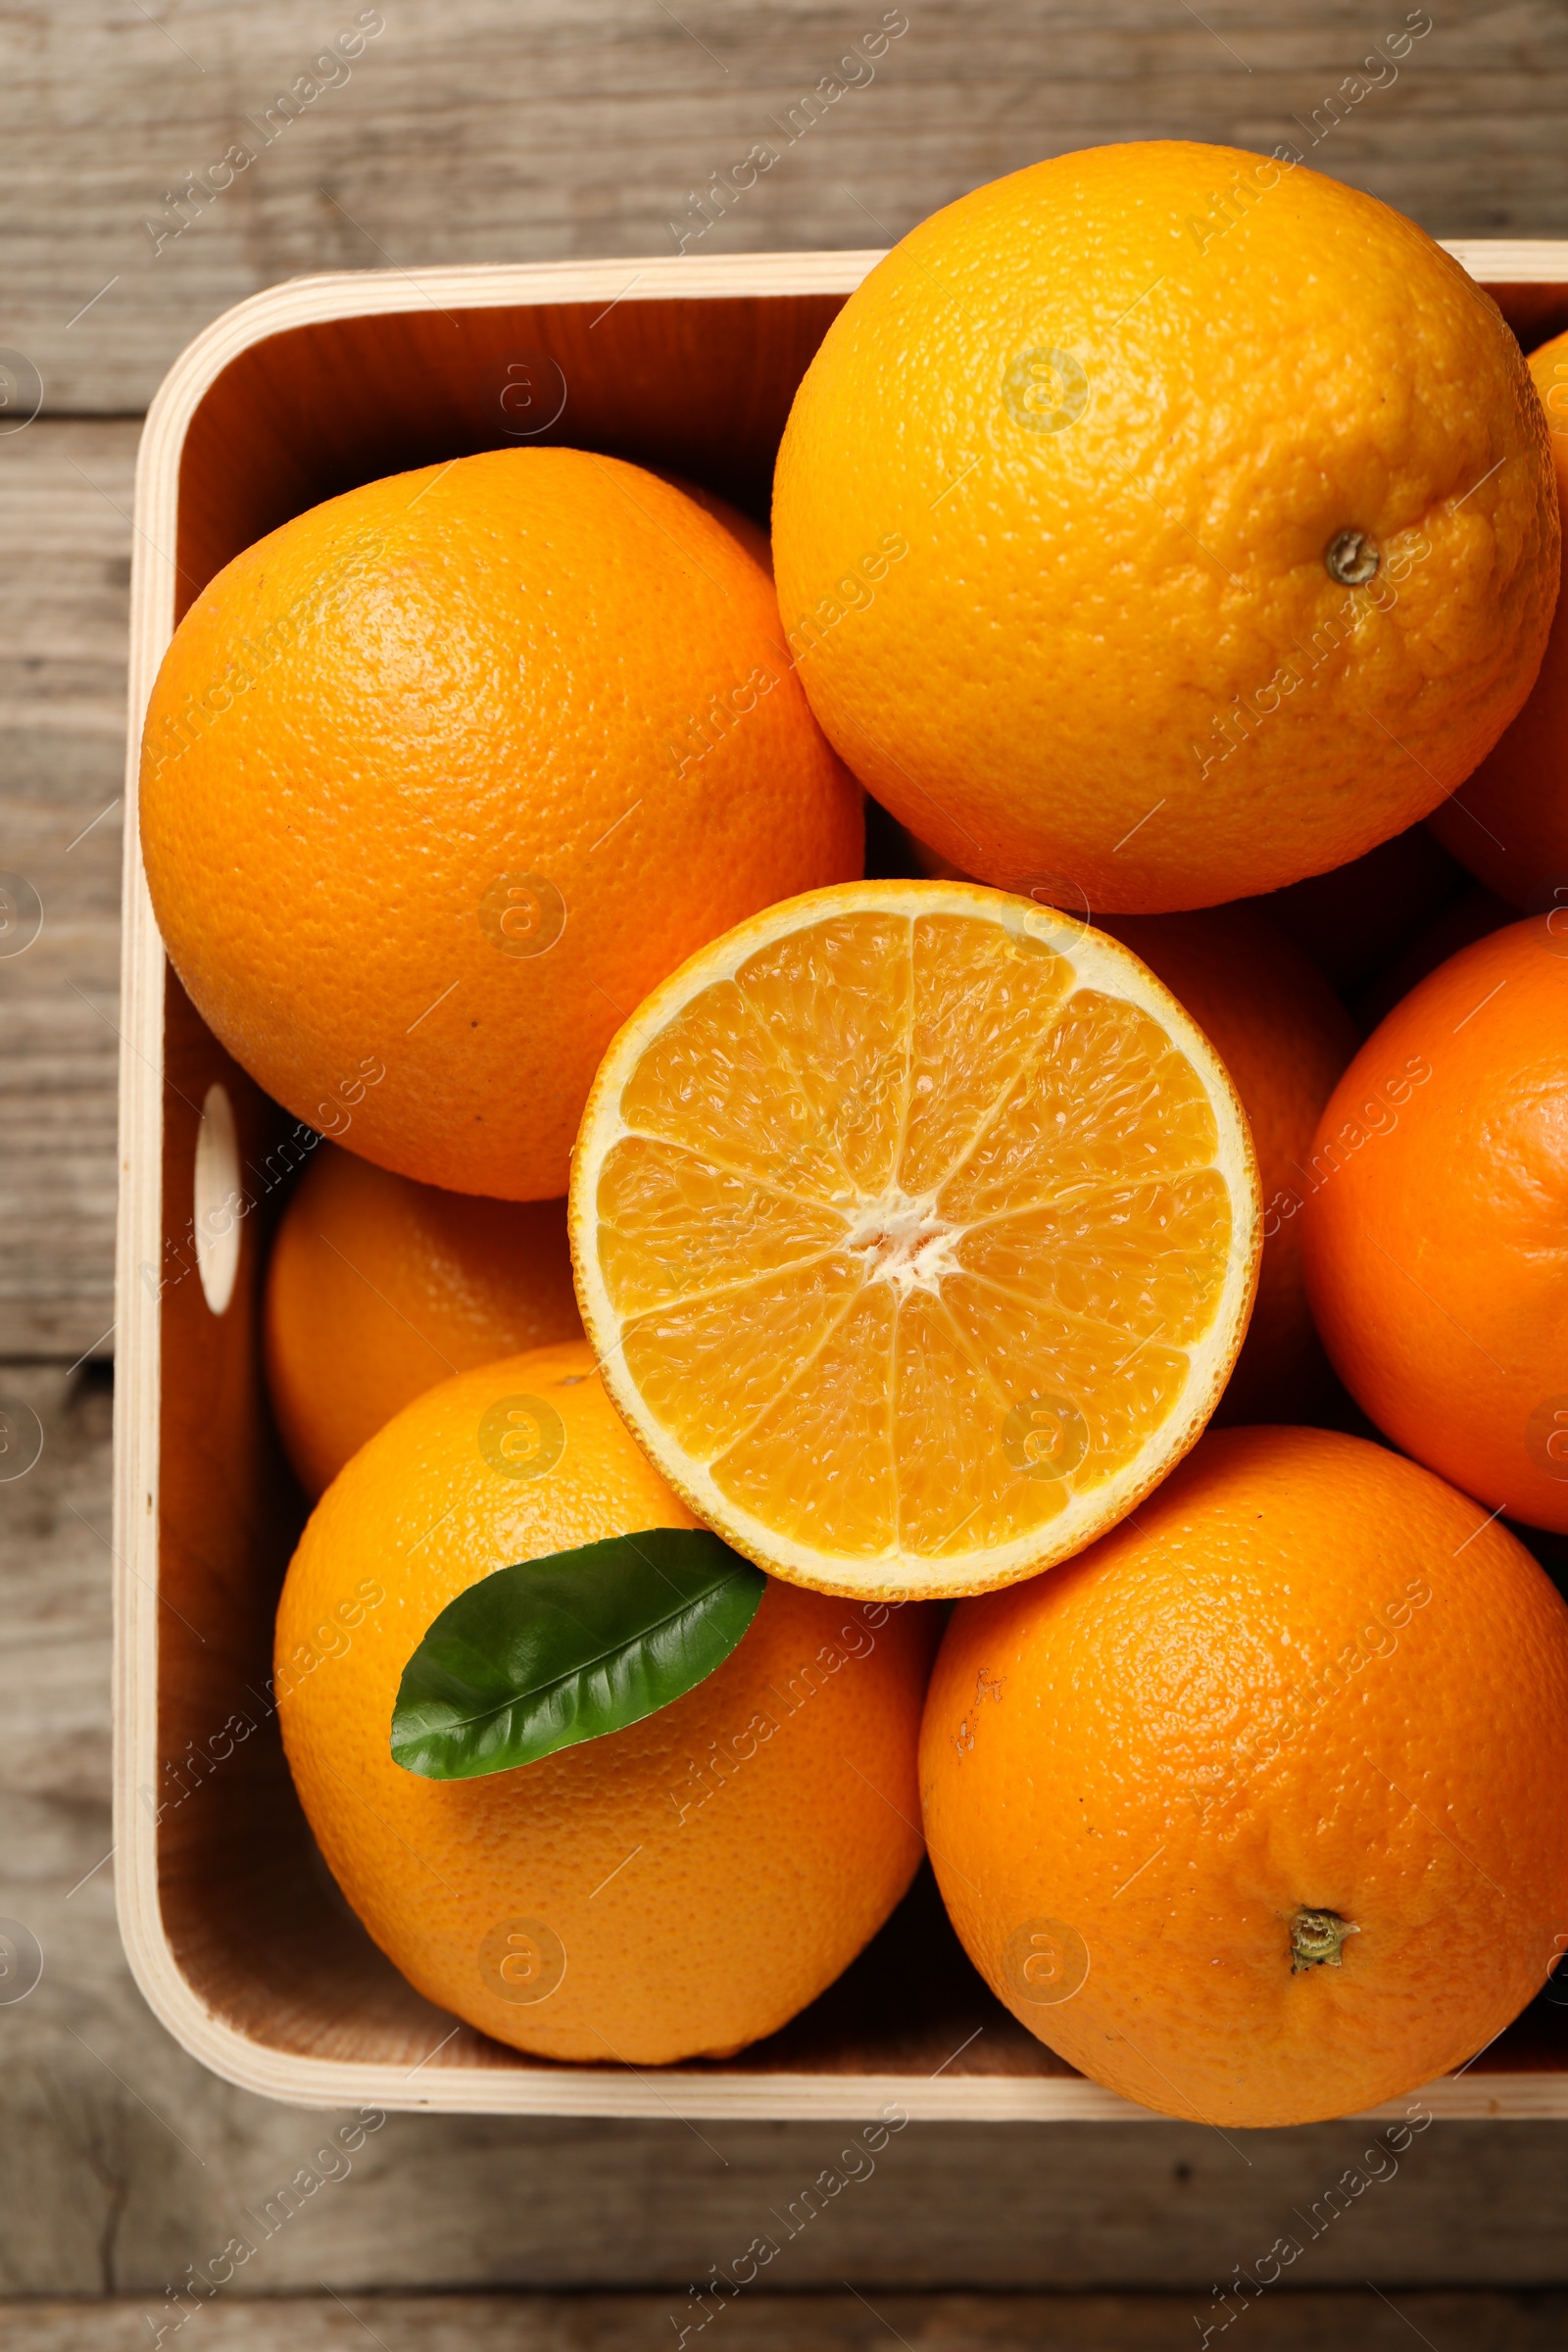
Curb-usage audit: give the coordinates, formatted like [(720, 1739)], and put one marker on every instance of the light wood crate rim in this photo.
[(522, 2091)]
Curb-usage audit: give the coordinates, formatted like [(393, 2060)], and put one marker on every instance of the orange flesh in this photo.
[(910, 1236)]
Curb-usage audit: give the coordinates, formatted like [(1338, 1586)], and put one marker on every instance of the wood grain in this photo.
[(65, 522), (846, 2322), (483, 131)]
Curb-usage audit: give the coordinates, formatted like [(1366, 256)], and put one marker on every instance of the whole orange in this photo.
[(379, 1288), (1509, 823), (1435, 1225), (1167, 519), (1220, 1809), (1285, 1037), (442, 776), (676, 1889)]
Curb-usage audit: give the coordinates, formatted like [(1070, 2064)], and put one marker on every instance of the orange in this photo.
[(916, 1229), (439, 778), (673, 1889), (1509, 823), (1221, 1812), (1285, 1037), (1435, 1226), (379, 1288), (1167, 519)]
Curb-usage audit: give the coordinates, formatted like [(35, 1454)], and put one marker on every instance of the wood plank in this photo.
[(845, 2321), (485, 130), (65, 506)]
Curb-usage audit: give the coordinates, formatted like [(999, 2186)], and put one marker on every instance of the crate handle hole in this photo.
[(217, 1206)]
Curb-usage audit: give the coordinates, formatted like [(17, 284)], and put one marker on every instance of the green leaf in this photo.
[(544, 1654)]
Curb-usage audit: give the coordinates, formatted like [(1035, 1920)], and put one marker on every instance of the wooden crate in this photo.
[(236, 1934)]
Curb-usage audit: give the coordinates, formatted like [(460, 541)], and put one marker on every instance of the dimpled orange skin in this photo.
[(377, 1288), (378, 728), (1237, 1705), (1509, 824), (1435, 1225), (691, 1924), (1116, 428), (1285, 1037)]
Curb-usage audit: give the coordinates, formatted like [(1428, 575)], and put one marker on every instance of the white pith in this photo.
[(905, 1243)]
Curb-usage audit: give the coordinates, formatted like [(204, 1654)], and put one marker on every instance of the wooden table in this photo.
[(484, 131)]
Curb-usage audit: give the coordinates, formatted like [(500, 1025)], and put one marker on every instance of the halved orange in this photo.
[(916, 1229)]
